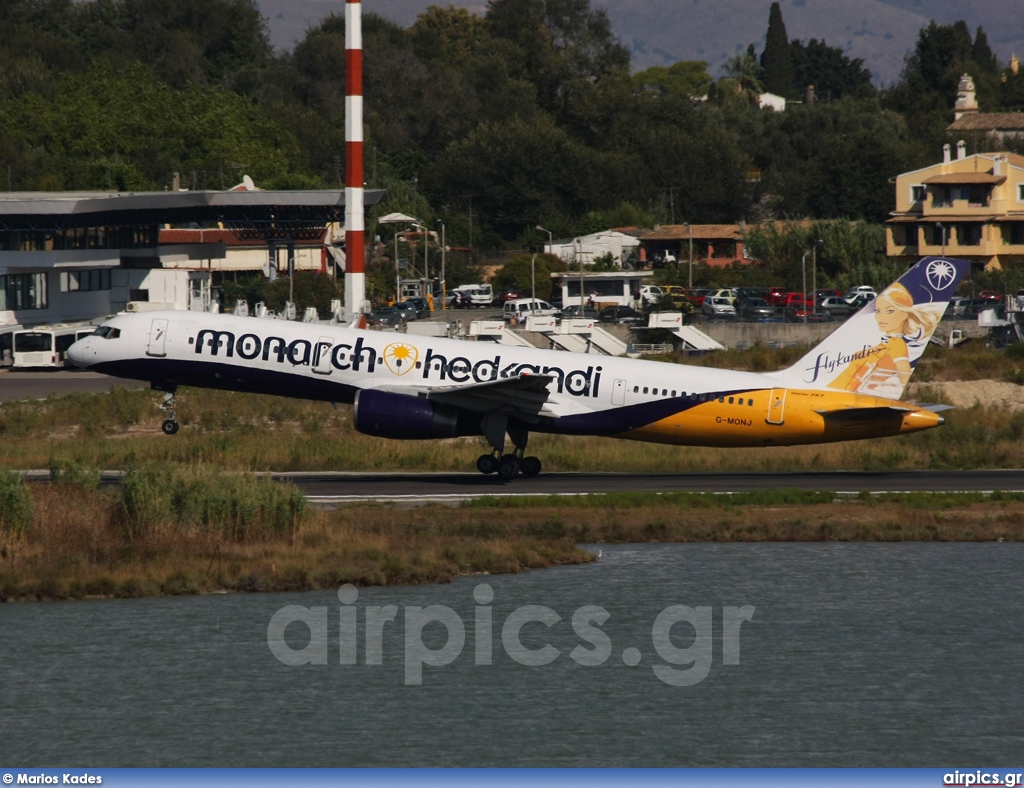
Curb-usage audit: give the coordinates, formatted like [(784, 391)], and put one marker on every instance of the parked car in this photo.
[(975, 306), (990, 295), (697, 296), (575, 310), (677, 297), (516, 310), (650, 294), (422, 306), (754, 309), (957, 307), (407, 310), (385, 316), (859, 299), (508, 295), (836, 307), (718, 307), (620, 314), (727, 293), (796, 300), (806, 314), (821, 293), (777, 295)]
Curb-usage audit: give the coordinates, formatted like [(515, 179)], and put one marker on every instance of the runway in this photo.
[(327, 489), (15, 386)]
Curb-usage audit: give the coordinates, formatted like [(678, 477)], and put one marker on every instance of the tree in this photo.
[(832, 73), (563, 47), (776, 66), (743, 80), (686, 78), (519, 273)]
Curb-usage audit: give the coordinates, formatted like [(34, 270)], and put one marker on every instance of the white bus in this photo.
[(45, 346), (7, 343)]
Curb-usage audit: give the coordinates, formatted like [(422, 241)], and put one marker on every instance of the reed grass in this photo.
[(184, 531), (187, 531)]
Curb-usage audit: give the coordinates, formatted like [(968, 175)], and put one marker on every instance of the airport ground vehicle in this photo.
[(7, 343), (45, 346), (465, 296), (518, 309)]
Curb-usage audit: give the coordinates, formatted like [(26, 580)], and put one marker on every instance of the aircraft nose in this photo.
[(77, 353)]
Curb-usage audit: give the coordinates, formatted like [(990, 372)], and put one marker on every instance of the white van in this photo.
[(470, 295), (518, 309)]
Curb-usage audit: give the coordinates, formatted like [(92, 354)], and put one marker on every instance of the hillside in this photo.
[(659, 32)]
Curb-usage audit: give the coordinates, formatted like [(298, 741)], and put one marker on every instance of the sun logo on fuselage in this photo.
[(400, 357)]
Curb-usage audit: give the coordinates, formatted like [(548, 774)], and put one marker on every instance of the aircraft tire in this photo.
[(508, 468), (170, 427), (487, 464), (530, 466)]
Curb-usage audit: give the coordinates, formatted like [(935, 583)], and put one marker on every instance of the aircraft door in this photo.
[(777, 406), (322, 356), (157, 338), (619, 392)]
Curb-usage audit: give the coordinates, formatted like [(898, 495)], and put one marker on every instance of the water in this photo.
[(857, 655)]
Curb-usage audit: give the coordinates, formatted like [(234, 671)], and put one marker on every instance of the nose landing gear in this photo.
[(170, 425)]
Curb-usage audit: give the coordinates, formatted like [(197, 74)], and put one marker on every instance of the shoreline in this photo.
[(378, 545)]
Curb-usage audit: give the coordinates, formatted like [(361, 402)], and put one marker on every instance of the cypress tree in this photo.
[(776, 65)]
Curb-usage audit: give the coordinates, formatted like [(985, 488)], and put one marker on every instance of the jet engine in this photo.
[(387, 415)]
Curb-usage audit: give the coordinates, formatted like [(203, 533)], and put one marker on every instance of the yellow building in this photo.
[(970, 207)]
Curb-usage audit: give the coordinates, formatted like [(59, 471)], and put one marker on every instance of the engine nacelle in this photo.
[(387, 415)]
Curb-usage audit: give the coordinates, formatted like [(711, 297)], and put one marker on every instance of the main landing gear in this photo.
[(507, 466), (170, 425)]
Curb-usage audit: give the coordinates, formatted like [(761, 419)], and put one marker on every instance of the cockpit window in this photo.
[(107, 332)]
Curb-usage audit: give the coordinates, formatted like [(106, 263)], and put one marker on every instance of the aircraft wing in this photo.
[(524, 396)]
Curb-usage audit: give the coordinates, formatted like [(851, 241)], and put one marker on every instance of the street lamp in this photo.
[(690, 280), (444, 281), (803, 265), (814, 272), (579, 259), (551, 246)]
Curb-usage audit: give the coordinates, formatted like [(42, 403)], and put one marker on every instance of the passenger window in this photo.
[(636, 389), (740, 402), (645, 389), (750, 402), (730, 400), (673, 392), (721, 399)]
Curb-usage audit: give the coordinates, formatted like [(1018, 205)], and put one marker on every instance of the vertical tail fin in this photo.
[(875, 351)]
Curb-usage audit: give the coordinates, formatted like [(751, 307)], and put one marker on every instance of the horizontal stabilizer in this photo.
[(935, 407)]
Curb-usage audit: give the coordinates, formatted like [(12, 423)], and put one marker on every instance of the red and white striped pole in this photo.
[(355, 228)]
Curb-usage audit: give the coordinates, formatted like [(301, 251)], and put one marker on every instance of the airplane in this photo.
[(410, 387)]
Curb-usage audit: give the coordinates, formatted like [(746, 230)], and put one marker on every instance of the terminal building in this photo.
[(79, 256)]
